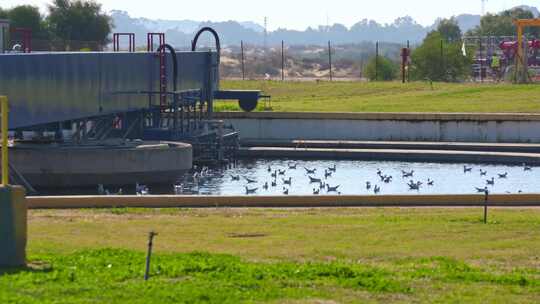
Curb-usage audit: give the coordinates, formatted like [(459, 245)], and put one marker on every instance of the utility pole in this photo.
[(483, 7), (243, 64), (330, 59), (265, 33)]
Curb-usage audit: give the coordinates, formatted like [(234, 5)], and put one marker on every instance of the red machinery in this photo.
[(162, 63), (116, 41), (510, 49)]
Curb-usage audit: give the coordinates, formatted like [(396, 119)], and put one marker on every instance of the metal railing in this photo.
[(5, 164)]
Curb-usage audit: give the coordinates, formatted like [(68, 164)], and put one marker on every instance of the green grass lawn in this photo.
[(280, 256), (391, 97)]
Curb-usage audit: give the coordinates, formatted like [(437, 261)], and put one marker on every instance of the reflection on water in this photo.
[(352, 176)]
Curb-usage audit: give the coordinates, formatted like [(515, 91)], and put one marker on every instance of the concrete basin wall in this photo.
[(60, 167), (484, 128)]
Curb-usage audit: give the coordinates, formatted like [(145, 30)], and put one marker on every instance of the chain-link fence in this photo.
[(303, 62)]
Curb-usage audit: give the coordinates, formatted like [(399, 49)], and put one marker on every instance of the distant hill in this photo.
[(180, 32)]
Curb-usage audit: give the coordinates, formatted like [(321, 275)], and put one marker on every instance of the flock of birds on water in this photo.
[(321, 184)]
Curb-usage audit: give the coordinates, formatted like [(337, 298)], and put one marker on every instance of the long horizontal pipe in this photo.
[(167, 201)]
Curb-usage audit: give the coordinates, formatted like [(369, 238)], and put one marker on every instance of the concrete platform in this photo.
[(54, 166), (400, 145), (429, 127), (393, 155)]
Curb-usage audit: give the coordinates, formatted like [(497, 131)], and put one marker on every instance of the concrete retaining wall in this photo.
[(489, 128), (61, 167)]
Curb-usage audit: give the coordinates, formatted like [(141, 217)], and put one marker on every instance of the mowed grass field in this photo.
[(280, 256), (342, 96)]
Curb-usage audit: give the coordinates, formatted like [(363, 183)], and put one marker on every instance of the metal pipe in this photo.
[(151, 236), (5, 161)]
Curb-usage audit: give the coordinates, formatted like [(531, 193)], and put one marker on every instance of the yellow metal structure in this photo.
[(5, 163), (521, 59)]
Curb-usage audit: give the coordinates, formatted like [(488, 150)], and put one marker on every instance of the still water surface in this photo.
[(351, 176)]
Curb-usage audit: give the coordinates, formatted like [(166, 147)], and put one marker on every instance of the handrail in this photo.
[(5, 167)]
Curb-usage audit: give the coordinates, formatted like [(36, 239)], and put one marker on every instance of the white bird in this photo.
[(287, 181), (313, 180), (332, 189), (249, 180), (251, 191), (310, 171), (178, 189), (141, 189)]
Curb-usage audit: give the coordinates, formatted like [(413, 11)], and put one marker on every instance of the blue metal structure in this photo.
[(48, 88)]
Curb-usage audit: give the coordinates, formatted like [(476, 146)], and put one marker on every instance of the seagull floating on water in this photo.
[(504, 175), (249, 180), (235, 177), (491, 181), (178, 189), (482, 190), (368, 185), (310, 171), (377, 189), (313, 180), (251, 191), (483, 173), (467, 169), (141, 189), (332, 189), (407, 174), (287, 181), (327, 174), (333, 169)]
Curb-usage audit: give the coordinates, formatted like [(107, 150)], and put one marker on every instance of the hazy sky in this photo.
[(295, 14)]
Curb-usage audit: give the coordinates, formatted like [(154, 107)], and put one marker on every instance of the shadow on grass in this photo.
[(33, 267)]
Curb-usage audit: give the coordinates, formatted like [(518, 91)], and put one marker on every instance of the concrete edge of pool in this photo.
[(169, 201), (392, 155)]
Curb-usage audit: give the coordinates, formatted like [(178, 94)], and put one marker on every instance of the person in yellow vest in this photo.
[(496, 67)]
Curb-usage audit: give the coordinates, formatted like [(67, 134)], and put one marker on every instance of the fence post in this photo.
[(408, 61), (330, 59), (242, 55)]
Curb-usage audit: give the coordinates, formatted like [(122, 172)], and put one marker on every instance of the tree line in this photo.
[(66, 21), (441, 57)]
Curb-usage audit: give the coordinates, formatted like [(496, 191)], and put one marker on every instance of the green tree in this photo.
[(439, 60), (27, 16), (503, 24), (79, 20), (449, 30), (380, 68), (3, 13)]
